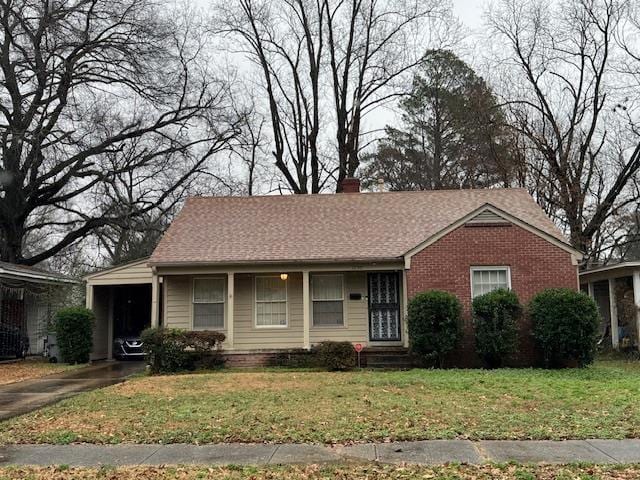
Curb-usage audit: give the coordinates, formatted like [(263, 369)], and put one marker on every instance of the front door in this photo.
[(384, 307)]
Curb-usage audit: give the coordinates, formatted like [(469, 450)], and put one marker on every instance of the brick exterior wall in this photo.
[(535, 265)]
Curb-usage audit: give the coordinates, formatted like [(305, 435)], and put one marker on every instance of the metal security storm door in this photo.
[(384, 307)]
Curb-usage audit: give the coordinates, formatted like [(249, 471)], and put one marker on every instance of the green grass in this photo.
[(331, 472), (304, 406)]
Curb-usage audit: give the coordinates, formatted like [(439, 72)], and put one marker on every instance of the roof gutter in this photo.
[(372, 260), (15, 275), (615, 266)]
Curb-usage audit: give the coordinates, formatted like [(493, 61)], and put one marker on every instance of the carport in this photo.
[(616, 290), (123, 299)]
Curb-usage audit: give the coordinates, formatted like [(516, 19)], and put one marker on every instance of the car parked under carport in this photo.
[(121, 298)]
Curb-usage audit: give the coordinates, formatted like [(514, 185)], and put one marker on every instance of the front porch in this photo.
[(616, 290), (280, 308)]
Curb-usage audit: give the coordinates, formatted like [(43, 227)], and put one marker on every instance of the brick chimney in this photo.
[(350, 185)]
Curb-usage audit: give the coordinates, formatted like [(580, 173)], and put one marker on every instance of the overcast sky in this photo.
[(470, 11)]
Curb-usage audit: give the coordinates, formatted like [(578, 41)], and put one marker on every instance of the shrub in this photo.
[(434, 324), (565, 327), (335, 355), (173, 350), (74, 334), (204, 348), (495, 315)]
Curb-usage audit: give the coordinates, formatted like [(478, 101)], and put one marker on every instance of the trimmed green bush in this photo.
[(565, 327), (335, 355), (74, 334), (434, 324), (495, 317), (173, 350)]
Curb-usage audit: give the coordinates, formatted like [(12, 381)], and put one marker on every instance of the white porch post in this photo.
[(306, 310), (230, 310), (590, 291), (636, 297), (110, 326), (155, 287), (613, 311), (89, 296)]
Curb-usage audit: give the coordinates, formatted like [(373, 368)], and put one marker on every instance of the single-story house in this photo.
[(29, 298), (282, 273), (616, 289)]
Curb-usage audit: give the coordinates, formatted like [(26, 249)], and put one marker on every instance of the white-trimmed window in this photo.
[(271, 302), (327, 295), (208, 303), (488, 279)]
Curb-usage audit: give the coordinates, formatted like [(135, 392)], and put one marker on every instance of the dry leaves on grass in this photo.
[(324, 407), (221, 382), (28, 369), (315, 472)]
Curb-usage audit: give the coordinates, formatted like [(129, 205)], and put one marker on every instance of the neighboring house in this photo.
[(616, 290), (29, 298), (280, 273)]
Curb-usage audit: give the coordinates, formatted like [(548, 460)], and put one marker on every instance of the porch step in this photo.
[(396, 358)]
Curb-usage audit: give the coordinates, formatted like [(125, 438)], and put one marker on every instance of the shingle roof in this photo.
[(363, 226)]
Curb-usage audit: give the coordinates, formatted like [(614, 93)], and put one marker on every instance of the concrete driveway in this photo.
[(23, 397)]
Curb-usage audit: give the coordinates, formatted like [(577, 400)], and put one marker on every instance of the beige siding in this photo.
[(356, 327), (178, 302), (247, 336), (136, 272)]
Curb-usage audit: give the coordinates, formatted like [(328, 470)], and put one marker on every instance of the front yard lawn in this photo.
[(344, 472), (11, 372), (301, 406)]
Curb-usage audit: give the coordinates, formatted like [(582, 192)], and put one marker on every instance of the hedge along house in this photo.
[(29, 298), (616, 290), (281, 273)]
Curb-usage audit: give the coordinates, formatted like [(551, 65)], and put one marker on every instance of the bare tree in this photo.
[(285, 41), (355, 53), (93, 90), (563, 101), (249, 149), (372, 45)]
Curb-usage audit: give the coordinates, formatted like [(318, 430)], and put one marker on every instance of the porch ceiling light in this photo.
[(284, 276)]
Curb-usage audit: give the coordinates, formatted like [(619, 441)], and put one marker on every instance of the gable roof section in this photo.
[(478, 216), (324, 228), (138, 266)]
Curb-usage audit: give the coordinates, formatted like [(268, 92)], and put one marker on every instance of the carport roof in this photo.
[(122, 266)]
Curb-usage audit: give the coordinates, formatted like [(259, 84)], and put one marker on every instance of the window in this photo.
[(208, 303), (271, 302), (487, 279), (328, 300)]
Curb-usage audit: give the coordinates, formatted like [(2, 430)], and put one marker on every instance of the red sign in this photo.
[(358, 347)]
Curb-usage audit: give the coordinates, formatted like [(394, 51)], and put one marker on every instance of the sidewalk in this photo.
[(421, 452)]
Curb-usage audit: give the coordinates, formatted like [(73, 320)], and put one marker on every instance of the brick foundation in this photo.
[(376, 357), (535, 265), (283, 358)]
